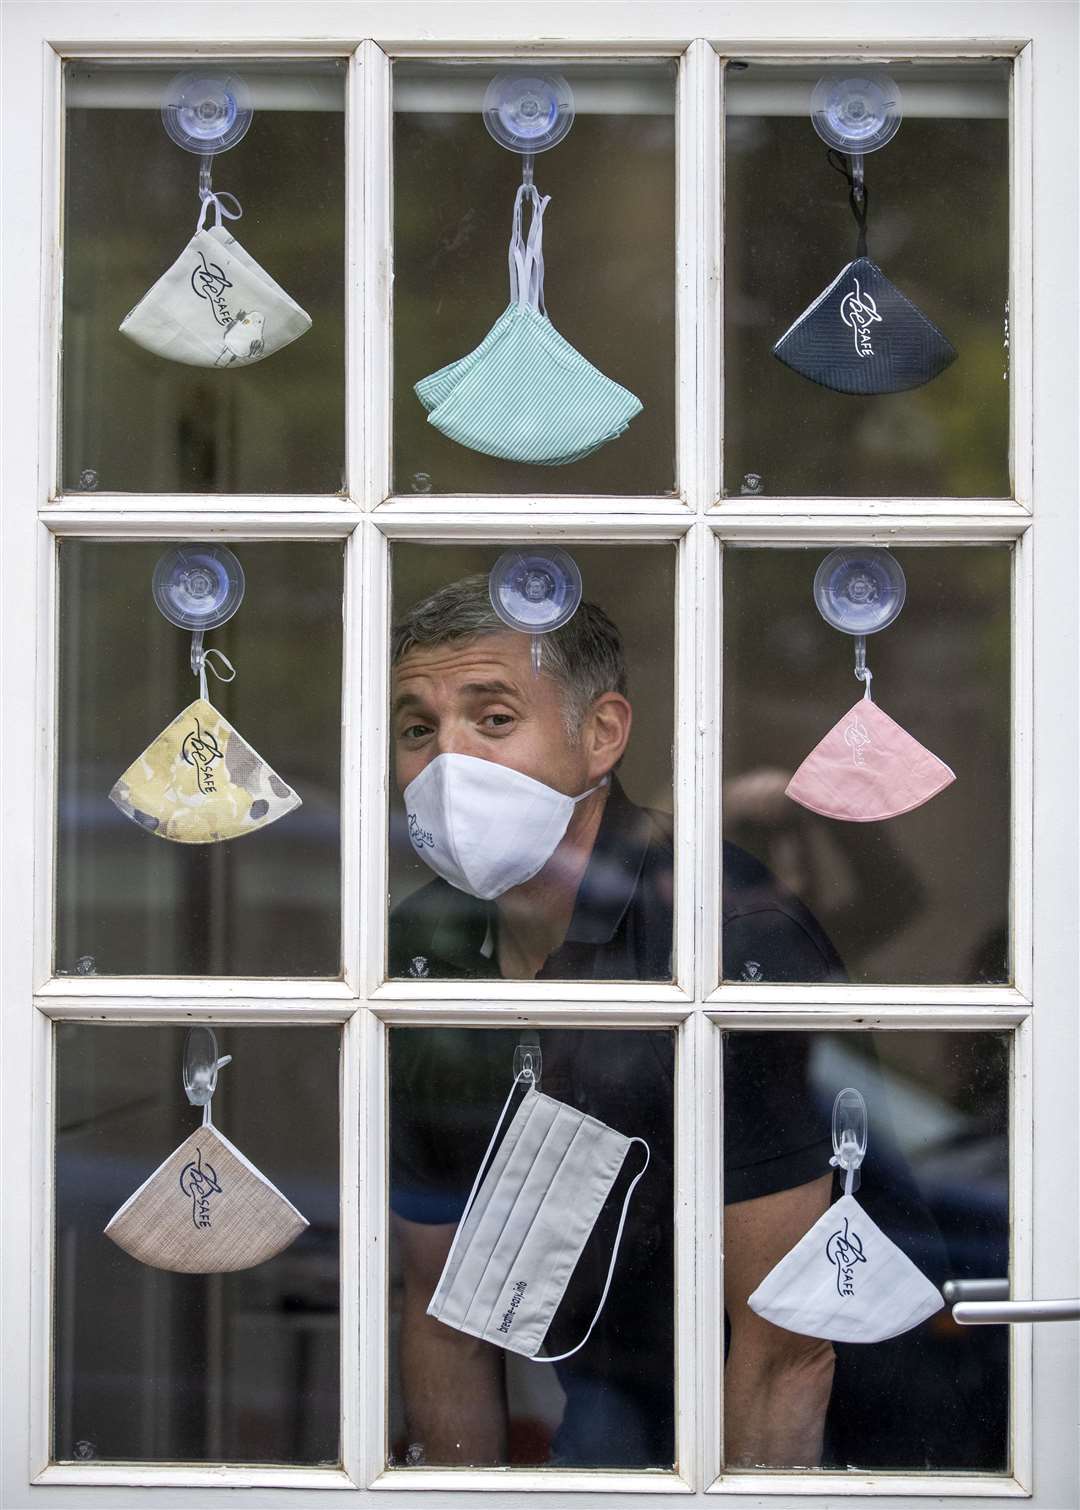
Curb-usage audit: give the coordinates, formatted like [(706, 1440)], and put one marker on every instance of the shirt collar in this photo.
[(465, 932)]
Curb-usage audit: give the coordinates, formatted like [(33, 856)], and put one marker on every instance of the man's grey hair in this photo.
[(585, 656)]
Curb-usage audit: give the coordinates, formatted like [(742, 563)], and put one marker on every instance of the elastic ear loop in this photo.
[(558, 1357), (521, 1075), (219, 209), (858, 196), (204, 657)]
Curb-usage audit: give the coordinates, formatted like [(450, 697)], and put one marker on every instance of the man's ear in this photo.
[(607, 730)]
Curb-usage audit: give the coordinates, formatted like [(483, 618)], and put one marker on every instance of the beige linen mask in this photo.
[(200, 782), (205, 1210)]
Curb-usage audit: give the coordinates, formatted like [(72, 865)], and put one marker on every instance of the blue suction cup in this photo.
[(528, 112), (856, 111), (859, 590), (198, 586), (206, 113), (535, 588)]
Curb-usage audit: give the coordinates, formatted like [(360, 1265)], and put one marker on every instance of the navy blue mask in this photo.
[(862, 335)]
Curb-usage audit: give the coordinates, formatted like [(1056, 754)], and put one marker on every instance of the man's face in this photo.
[(481, 697)]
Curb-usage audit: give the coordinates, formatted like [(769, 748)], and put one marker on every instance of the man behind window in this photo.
[(562, 877)]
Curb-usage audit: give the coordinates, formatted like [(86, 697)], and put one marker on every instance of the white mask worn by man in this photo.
[(215, 307), (524, 1228), (846, 1281), (483, 827)]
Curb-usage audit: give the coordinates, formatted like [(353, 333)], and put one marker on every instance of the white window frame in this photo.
[(1039, 520)]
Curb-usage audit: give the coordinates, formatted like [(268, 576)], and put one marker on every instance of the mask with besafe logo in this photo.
[(215, 307), (206, 1209), (867, 769), (200, 782), (861, 335), (525, 1226), (484, 827), (845, 1280)]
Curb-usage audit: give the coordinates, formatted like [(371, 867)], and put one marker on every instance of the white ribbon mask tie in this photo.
[(215, 307), (524, 1228)]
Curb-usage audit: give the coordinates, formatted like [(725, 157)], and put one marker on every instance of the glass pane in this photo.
[(609, 247), (917, 899), (935, 1186), (529, 883), (462, 1402), (267, 902), (938, 229), (137, 415), (154, 1365)]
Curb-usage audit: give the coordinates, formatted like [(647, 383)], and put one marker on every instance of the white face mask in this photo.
[(846, 1281), (523, 1230), (215, 307), (482, 826)]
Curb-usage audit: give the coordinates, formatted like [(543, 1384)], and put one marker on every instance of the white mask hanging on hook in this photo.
[(846, 1280), (206, 1209)]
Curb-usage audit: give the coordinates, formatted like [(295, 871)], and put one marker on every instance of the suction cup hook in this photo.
[(850, 1136), (198, 587), (859, 590), (201, 1065), (206, 113), (535, 589), (527, 111), (856, 111)]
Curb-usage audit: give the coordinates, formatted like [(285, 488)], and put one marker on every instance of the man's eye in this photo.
[(497, 720), (416, 731)]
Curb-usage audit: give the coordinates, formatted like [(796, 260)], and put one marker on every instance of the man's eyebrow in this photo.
[(491, 689), (406, 700)]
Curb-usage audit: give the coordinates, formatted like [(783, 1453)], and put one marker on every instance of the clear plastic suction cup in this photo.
[(857, 111), (528, 112), (206, 112), (535, 588), (859, 590), (198, 587)]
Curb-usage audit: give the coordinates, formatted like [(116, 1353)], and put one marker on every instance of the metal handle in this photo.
[(975, 1289), (1004, 1312)]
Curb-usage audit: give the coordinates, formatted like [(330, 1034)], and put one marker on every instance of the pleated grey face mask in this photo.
[(527, 1221), (525, 394)]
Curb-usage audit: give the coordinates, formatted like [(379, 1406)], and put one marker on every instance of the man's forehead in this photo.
[(483, 658)]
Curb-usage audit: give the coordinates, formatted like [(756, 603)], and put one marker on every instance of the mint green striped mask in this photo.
[(525, 394)]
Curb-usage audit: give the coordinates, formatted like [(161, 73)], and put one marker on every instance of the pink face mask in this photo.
[(868, 768)]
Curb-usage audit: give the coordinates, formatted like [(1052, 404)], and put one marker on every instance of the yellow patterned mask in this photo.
[(200, 782)]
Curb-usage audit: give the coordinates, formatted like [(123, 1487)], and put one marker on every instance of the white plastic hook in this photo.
[(528, 1061), (850, 1135), (201, 1065)]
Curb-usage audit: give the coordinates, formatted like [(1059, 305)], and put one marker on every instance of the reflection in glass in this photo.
[(600, 905), (135, 421), (935, 1181), (609, 251), (155, 1366), (938, 229), (455, 1401), (265, 902), (920, 899)]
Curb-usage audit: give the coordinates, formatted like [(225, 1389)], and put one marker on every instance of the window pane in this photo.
[(917, 899), (153, 1365), (938, 228), (266, 902), (609, 248), (145, 420), (530, 884), (935, 1184), (612, 1403)]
